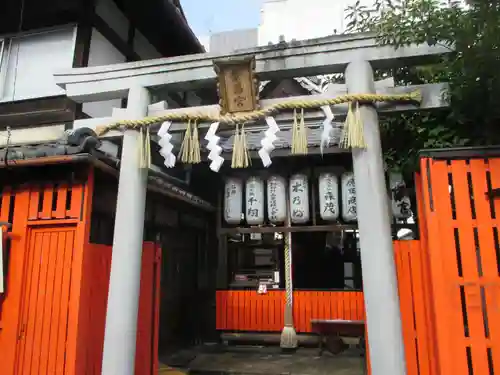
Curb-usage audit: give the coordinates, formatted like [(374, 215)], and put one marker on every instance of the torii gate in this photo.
[(356, 56)]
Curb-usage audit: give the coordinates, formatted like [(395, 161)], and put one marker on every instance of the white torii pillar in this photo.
[(124, 285), (380, 285)]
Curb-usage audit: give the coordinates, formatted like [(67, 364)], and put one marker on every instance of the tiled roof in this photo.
[(70, 144), (85, 142)]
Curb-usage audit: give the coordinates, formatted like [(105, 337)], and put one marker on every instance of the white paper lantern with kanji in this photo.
[(233, 201), (328, 189), (299, 199), (276, 199), (349, 207), (254, 201), (401, 205)]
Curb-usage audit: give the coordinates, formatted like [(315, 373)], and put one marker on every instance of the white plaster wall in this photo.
[(29, 61), (102, 52), (114, 17), (299, 19), (45, 133)]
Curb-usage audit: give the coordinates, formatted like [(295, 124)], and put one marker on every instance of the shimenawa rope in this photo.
[(259, 114), (190, 150)]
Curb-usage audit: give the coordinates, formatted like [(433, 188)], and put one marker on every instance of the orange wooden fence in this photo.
[(309, 305), (414, 305), (53, 312), (239, 310), (6, 203), (462, 243), (40, 310), (94, 301)]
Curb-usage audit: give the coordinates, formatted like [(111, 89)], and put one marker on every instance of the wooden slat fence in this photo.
[(462, 224), (43, 256), (94, 301), (309, 305), (245, 310), (413, 304)]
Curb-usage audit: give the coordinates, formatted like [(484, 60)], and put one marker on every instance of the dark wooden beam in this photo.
[(36, 112), (120, 44), (283, 229), (130, 42), (82, 43)]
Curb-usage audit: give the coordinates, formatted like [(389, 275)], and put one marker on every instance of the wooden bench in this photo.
[(339, 328)]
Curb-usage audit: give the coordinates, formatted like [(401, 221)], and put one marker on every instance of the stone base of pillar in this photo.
[(288, 338)]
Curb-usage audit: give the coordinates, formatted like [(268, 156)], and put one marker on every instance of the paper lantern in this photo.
[(328, 189), (254, 201), (276, 199), (400, 202), (233, 201), (349, 208), (299, 199)]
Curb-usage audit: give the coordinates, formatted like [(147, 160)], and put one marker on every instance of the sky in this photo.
[(212, 16)]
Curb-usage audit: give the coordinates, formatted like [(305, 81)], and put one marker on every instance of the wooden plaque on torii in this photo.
[(236, 84)]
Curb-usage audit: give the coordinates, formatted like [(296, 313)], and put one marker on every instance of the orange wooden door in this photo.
[(41, 344), (464, 260), (146, 357)]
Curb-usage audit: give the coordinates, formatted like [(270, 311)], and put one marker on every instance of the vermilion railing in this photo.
[(245, 310)]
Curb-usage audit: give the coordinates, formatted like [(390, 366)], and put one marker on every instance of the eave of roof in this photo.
[(165, 22), (64, 152)]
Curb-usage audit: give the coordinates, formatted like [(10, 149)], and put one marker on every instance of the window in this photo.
[(4, 58), (28, 63)]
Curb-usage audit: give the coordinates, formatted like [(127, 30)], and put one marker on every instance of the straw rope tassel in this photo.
[(353, 136), (144, 152), (236, 148), (186, 144), (195, 146), (302, 134), (147, 150), (345, 131), (241, 157), (141, 151), (295, 133), (244, 149), (359, 138)]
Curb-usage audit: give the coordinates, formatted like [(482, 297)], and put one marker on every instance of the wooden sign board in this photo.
[(237, 85)]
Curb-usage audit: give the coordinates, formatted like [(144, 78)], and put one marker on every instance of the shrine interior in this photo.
[(201, 260), (321, 261)]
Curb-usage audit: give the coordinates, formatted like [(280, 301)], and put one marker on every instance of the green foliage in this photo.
[(472, 70)]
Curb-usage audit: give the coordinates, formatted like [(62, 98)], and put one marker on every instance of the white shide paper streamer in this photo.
[(327, 127), (267, 142), (214, 148), (166, 146)]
